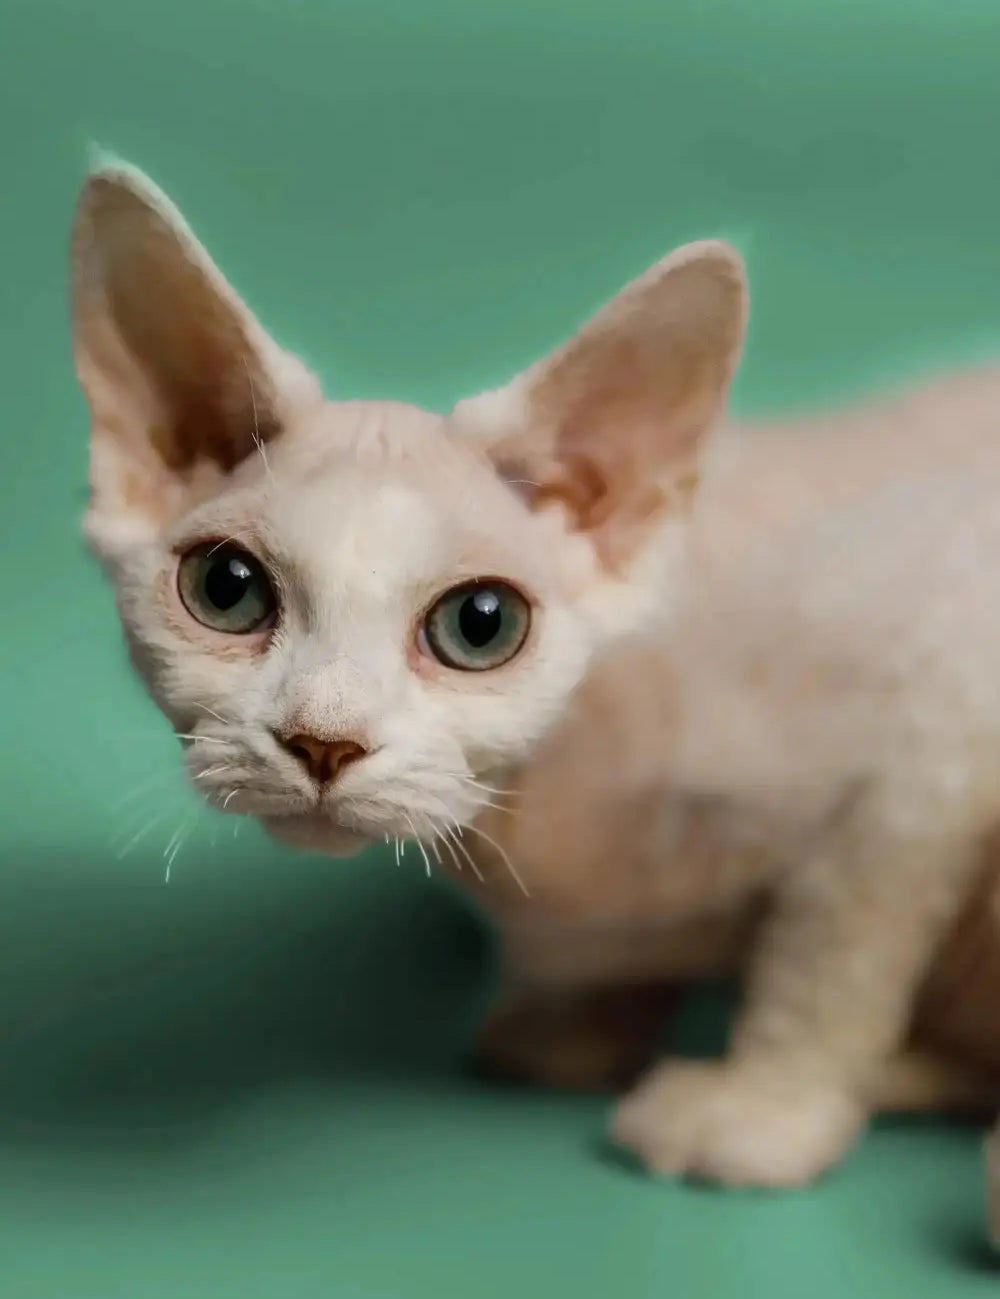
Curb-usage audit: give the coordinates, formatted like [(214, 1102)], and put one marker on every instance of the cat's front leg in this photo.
[(576, 1039), (577, 1010), (828, 1000), (583, 1005)]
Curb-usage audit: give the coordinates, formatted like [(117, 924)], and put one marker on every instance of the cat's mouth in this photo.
[(317, 831), (340, 821)]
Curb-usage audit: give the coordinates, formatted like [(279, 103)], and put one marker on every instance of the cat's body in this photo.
[(363, 620), (816, 573), (829, 671), (695, 766)]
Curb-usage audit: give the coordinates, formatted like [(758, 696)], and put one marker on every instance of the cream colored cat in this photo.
[(363, 619)]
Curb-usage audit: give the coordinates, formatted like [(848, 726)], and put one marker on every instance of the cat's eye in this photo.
[(478, 626), (226, 588)]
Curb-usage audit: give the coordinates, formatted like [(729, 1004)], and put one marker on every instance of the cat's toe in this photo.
[(643, 1121), (735, 1127)]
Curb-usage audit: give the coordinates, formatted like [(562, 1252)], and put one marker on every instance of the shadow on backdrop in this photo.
[(138, 1008), (142, 1008)]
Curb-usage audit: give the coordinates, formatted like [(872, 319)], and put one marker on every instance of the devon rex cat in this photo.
[(365, 620)]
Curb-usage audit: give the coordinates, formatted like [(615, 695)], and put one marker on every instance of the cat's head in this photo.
[(353, 612)]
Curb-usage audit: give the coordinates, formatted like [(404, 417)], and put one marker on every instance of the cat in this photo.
[(702, 696)]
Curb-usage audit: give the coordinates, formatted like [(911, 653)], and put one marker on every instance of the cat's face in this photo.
[(376, 585), (356, 613)]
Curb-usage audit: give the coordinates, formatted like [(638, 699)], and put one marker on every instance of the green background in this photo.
[(247, 1081)]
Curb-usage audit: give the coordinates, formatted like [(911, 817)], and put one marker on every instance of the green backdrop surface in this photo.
[(246, 1082)]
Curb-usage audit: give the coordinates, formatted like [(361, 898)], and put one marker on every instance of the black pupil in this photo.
[(479, 618), (227, 581)]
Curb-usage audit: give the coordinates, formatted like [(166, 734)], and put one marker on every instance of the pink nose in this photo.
[(323, 759)]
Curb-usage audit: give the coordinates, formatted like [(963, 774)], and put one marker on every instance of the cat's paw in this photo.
[(735, 1125)]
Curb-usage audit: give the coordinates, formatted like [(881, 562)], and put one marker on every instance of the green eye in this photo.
[(226, 589), (478, 626)]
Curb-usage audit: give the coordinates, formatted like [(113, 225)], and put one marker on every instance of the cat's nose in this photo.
[(323, 759)]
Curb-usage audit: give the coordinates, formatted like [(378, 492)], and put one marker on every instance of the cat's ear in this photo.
[(610, 426), (181, 379)]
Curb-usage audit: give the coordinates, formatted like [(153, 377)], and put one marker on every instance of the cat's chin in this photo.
[(316, 833)]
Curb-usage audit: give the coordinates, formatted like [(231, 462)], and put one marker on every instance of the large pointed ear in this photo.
[(181, 380), (611, 425)]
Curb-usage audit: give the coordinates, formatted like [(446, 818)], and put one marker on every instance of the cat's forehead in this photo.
[(384, 493), (382, 433)]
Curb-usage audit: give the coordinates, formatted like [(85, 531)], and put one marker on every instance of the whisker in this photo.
[(489, 789), (485, 789), (258, 443), (155, 820), (212, 771), (172, 839), (454, 836), (150, 782), (447, 844), (180, 836), (202, 739), (212, 713), (227, 541), (469, 779), (231, 795), (138, 818), (499, 807), (510, 865), (419, 843)]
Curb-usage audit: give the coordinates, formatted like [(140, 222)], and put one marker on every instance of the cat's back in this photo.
[(862, 525), (846, 574), (768, 482)]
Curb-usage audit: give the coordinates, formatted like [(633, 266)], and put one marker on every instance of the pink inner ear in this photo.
[(181, 379), (611, 426), (622, 447), (193, 350), (175, 368), (617, 522)]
